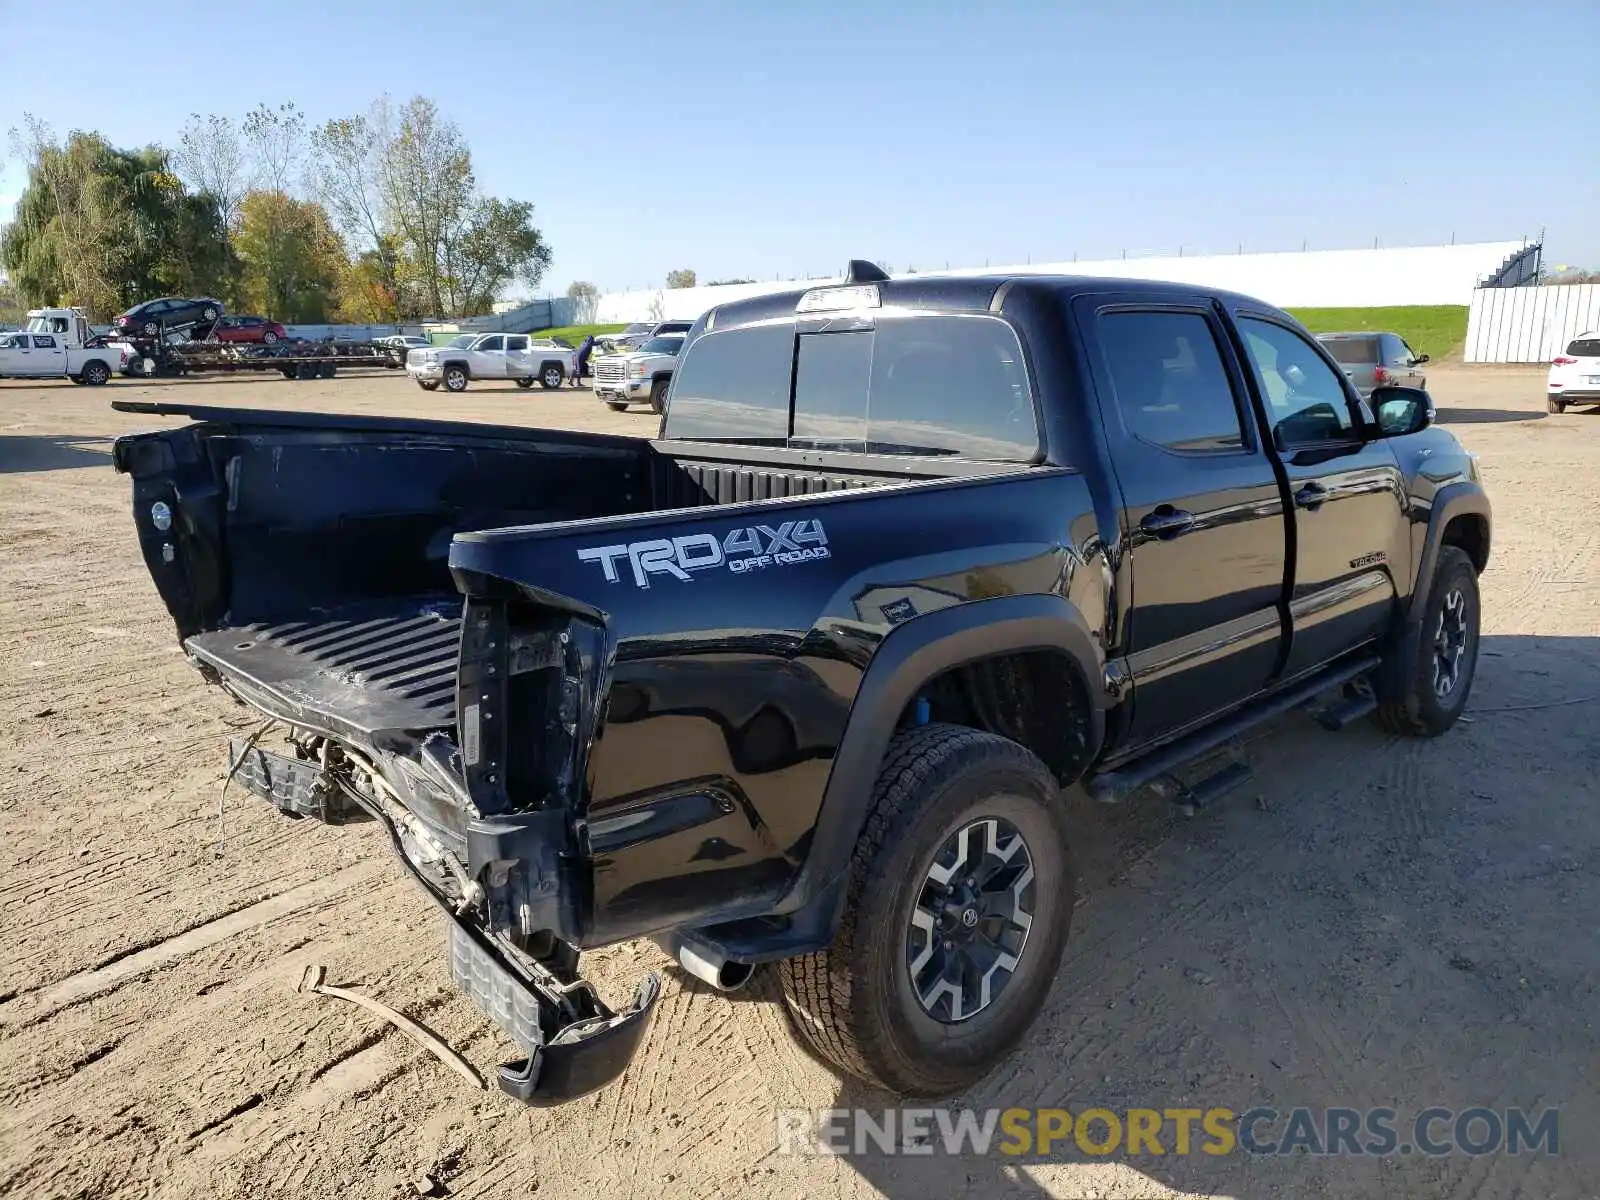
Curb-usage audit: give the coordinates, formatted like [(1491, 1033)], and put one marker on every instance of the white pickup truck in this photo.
[(58, 344), (642, 374), (492, 356)]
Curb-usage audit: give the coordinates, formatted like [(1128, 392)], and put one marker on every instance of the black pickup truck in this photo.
[(801, 681)]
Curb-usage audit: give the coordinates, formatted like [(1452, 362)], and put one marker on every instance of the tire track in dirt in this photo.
[(30, 1008)]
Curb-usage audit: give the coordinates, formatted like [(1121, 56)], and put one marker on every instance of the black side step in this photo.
[(1215, 785), (1116, 785), (1347, 711)]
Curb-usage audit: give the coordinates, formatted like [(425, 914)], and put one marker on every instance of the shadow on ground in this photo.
[(1371, 922), (1486, 416), (50, 452)]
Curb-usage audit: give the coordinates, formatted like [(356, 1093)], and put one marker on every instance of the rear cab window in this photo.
[(1352, 351), (935, 384), (1585, 348)]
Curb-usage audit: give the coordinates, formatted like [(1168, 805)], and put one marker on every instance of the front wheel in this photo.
[(959, 899), (269, 338), (617, 405), (428, 385), (552, 375), (455, 379), (1445, 646), (658, 397)]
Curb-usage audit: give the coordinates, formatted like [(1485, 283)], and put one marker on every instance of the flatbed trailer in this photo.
[(157, 357)]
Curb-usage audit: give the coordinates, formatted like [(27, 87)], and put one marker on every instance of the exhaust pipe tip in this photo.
[(724, 974)]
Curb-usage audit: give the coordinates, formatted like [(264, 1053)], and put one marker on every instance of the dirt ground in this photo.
[(1372, 921)]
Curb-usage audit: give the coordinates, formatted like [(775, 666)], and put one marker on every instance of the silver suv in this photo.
[(1376, 360)]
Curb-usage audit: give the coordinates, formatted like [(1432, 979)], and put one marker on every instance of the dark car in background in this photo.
[(256, 330), (1373, 360), (171, 311)]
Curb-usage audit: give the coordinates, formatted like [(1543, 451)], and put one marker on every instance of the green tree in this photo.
[(291, 260), (683, 278), (105, 228), (495, 244)]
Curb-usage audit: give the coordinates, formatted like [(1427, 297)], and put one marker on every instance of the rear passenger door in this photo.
[(1204, 545), (519, 358), (48, 356), (1348, 496)]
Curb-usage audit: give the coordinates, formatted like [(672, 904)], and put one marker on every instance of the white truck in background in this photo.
[(492, 356), (638, 375), (59, 343)]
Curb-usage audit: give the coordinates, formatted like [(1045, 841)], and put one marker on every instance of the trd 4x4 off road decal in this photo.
[(749, 549)]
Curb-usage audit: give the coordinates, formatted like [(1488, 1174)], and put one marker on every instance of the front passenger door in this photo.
[(1349, 498), (489, 358), (48, 357)]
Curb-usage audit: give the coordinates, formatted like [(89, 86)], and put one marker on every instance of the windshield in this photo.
[(662, 345), (465, 340), (636, 328)]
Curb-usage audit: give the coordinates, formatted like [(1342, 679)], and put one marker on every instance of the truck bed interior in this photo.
[(332, 599)]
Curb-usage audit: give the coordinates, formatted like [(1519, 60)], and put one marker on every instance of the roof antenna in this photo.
[(862, 271)]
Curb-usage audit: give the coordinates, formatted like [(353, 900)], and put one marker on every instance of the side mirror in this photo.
[(1401, 410), (1420, 359)]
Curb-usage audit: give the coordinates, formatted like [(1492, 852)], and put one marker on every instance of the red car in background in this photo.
[(248, 329)]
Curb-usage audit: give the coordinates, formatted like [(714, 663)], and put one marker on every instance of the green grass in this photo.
[(1432, 329), (573, 334)]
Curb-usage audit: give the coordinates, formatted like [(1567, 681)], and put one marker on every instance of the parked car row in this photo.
[(1575, 375)]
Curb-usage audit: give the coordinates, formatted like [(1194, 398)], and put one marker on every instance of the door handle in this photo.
[(1164, 521), (1311, 496)]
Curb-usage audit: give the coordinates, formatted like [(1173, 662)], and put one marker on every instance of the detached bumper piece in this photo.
[(574, 1043), (295, 788)]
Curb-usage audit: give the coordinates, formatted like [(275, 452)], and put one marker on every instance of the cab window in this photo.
[(1305, 397), (43, 341), (517, 343), (492, 343)]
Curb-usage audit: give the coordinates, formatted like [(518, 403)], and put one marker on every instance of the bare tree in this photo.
[(585, 299), (425, 177), (277, 141), (210, 158), (348, 154)]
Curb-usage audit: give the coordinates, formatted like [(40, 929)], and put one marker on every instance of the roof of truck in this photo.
[(965, 293)]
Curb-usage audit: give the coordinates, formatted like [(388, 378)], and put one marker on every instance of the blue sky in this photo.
[(763, 139)]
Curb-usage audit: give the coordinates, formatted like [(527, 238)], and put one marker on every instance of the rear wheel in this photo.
[(526, 382), (1556, 406), (455, 379), (551, 376), (95, 373), (959, 899), (269, 338), (1446, 650), (658, 396), (327, 370)]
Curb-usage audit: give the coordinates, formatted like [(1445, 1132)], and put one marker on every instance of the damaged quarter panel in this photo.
[(715, 740)]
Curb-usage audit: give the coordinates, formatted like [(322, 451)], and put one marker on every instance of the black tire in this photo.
[(208, 314), (550, 376), (269, 338), (305, 370), (617, 405), (94, 373), (287, 372), (455, 378), (658, 396), (77, 380), (526, 383), (327, 370), (1556, 406), (856, 1002), (151, 329), (1430, 701), (428, 385)]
